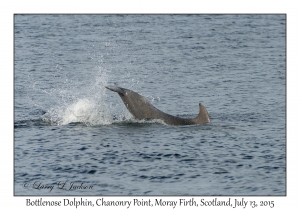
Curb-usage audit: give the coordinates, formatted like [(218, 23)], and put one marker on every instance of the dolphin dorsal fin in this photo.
[(203, 116)]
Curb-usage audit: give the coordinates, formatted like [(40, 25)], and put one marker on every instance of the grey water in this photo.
[(69, 130)]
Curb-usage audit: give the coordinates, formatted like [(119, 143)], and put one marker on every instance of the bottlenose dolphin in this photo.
[(141, 108)]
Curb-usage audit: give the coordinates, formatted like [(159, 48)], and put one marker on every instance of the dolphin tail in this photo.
[(203, 116)]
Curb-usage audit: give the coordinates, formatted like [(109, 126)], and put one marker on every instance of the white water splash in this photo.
[(83, 102), (83, 110), (87, 112)]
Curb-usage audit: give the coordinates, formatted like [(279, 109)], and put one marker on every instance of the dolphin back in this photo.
[(141, 108)]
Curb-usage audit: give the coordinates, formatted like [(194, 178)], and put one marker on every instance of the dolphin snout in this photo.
[(116, 89)]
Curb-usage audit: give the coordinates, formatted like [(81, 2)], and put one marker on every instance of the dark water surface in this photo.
[(69, 128)]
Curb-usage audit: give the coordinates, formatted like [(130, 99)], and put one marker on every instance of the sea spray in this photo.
[(86, 105), (81, 97)]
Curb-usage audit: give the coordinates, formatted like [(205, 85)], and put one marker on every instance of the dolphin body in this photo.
[(141, 108)]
